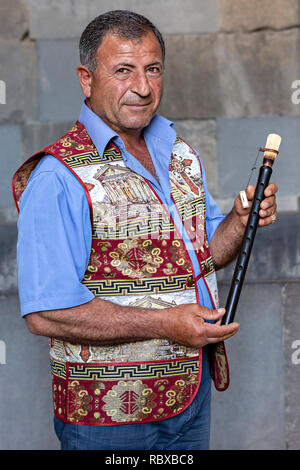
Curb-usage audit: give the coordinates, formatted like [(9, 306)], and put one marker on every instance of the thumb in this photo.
[(209, 314)]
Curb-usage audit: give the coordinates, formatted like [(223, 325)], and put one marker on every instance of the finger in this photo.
[(267, 220), (250, 192), (214, 332), (223, 337), (268, 212), (214, 315), (271, 189), (268, 202)]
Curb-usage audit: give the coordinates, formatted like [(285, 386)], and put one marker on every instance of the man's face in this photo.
[(126, 88)]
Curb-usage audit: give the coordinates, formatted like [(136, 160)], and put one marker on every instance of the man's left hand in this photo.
[(228, 237), (268, 207)]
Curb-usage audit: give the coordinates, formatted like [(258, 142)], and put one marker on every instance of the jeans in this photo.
[(189, 430)]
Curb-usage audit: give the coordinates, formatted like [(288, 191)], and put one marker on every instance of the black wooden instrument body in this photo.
[(247, 244)]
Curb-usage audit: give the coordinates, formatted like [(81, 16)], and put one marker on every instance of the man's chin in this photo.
[(135, 124), (137, 117)]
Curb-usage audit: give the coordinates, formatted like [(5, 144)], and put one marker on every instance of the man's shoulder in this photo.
[(49, 180), (49, 164)]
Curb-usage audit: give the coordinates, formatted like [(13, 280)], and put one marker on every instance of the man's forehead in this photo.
[(113, 45)]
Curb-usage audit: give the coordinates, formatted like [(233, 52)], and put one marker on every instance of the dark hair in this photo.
[(123, 23)]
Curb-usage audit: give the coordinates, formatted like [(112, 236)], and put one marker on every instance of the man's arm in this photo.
[(100, 322), (228, 237)]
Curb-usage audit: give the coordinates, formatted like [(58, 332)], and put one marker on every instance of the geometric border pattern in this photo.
[(137, 286), (92, 158), (116, 372)]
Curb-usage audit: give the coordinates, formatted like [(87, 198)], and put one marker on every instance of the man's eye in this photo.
[(122, 70), (154, 70)]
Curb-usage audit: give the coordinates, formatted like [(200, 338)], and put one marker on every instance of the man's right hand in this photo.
[(187, 324)]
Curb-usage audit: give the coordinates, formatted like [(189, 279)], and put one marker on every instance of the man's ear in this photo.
[(85, 79)]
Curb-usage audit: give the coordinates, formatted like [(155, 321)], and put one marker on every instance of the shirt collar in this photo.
[(98, 130), (101, 134), (161, 127)]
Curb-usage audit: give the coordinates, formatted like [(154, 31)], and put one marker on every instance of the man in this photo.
[(118, 240)]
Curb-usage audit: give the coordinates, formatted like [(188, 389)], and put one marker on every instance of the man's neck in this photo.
[(135, 144), (132, 138), (134, 141)]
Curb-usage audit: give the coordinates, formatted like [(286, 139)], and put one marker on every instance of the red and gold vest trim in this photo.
[(101, 394), (139, 259)]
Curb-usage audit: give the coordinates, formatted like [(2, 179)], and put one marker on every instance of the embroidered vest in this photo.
[(137, 259)]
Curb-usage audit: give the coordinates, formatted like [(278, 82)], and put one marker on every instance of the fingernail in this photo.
[(221, 310)]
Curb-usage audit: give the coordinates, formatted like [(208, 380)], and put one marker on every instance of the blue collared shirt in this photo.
[(54, 228)]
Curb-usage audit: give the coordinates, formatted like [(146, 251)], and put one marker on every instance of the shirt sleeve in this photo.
[(54, 241)]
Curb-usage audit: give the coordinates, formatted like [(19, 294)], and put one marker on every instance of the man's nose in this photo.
[(140, 84)]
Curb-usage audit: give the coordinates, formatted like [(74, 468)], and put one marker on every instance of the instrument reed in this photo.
[(270, 152)]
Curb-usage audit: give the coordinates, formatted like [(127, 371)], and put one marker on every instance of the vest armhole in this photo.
[(82, 184)]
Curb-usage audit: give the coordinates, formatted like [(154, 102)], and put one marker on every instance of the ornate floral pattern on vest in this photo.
[(137, 259)]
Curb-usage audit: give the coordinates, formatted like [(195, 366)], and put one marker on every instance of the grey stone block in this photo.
[(238, 144), (8, 265), (201, 135), (275, 254), (60, 95), (67, 19), (38, 135), (8, 215), (291, 337), (25, 383), (18, 72), (190, 89), (10, 156), (231, 75), (13, 19), (250, 414), (242, 15)]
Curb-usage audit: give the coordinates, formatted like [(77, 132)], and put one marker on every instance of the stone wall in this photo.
[(231, 78)]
